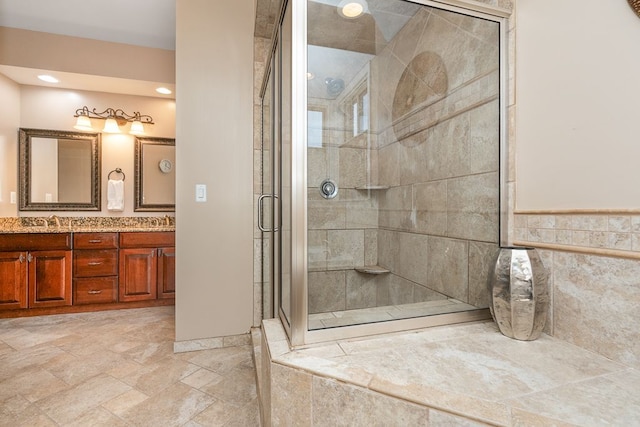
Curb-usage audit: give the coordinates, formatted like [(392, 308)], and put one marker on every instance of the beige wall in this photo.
[(576, 148), (214, 65), (47, 108), (9, 123), (577, 97), (33, 49)]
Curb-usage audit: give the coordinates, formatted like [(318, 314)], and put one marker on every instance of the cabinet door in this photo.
[(13, 280), (166, 273), (49, 278), (138, 274)]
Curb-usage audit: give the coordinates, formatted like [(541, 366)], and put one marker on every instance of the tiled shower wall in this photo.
[(433, 147)]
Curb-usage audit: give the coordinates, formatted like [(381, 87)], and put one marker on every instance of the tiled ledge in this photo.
[(606, 233), (87, 224), (465, 374)]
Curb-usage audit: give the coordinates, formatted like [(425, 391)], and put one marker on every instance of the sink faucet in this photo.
[(56, 219)]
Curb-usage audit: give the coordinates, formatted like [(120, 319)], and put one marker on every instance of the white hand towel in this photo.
[(115, 195)]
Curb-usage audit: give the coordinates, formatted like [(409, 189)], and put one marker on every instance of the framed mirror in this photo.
[(155, 175), (59, 170)]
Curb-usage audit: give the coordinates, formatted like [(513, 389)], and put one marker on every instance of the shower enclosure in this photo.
[(383, 165)]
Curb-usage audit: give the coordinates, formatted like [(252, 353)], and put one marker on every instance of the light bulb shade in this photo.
[(111, 126), (84, 124), (352, 8), (136, 128)]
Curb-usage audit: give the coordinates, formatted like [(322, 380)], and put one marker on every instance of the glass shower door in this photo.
[(403, 159)]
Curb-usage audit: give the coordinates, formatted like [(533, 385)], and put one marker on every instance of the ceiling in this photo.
[(147, 23)]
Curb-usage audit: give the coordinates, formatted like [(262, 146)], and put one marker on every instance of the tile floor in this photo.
[(117, 368), (386, 313)]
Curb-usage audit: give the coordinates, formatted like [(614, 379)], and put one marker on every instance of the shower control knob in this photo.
[(328, 189)]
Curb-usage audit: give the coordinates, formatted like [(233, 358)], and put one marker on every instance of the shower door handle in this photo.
[(261, 211)]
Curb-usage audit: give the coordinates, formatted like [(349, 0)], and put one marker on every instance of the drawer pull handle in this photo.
[(94, 292), (94, 263), (95, 241)]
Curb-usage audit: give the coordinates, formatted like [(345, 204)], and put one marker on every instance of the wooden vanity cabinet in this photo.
[(147, 266), (95, 268), (41, 274), (35, 270)]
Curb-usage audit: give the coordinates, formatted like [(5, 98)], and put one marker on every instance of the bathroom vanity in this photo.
[(62, 272)]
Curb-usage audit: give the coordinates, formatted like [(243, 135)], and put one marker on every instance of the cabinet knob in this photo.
[(21, 259), (29, 258)]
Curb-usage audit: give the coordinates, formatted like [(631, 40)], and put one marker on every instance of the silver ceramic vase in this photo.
[(519, 293)]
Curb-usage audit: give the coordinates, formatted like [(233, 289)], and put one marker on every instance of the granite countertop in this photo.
[(15, 225), (41, 229)]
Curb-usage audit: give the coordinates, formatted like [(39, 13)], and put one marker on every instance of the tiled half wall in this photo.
[(594, 261)]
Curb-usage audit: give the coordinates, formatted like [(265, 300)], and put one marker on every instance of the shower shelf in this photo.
[(372, 269), (373, 187)]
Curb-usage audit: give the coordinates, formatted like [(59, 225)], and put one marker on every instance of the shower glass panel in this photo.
[(284, 166), (403, 117), (266, 202)]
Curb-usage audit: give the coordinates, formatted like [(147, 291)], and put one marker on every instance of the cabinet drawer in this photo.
[(95, 263), (35, 241), (155, 239), (96, 290), (95, 240)]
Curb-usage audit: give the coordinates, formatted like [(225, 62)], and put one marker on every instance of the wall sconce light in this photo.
[(113, 120)]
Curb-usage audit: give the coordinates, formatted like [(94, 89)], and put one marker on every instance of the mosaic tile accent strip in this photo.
[(620, 232)]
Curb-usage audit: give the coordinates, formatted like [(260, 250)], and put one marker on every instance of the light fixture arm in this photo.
[(110, 113)]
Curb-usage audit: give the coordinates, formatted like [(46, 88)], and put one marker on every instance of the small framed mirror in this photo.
[(59, 170), (155, 174)]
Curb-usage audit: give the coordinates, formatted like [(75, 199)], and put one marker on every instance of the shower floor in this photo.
[(385, 313)]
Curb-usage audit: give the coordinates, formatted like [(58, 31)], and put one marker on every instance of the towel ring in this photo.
[(117, 170)]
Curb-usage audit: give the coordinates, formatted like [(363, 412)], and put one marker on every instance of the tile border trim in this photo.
[(581, 250), (211, 343)]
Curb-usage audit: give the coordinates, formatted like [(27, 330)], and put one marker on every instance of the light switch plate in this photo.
[(12, 197), (201, 192)]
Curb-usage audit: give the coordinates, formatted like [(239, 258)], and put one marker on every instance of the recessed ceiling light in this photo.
[(164, 91), (47, 78), (352, 8)]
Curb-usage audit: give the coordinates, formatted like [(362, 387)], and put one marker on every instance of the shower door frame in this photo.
[(298, 329)]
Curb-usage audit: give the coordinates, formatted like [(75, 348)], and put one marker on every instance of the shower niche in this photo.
[(401, 108)]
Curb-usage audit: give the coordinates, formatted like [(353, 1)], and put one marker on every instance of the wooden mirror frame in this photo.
[(24, 170), (140, 205), (635, 5)]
